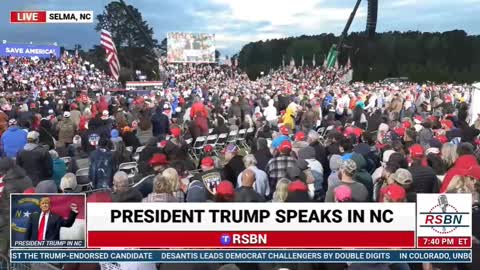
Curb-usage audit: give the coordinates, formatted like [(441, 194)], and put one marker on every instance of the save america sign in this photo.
[(25, 50)]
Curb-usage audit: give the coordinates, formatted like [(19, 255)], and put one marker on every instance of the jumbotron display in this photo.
[(190, 47)]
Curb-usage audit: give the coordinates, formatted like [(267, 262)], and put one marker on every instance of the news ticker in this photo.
[(242, 256), (39, 17)]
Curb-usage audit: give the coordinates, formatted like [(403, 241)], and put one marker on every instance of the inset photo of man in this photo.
[(47, 220)]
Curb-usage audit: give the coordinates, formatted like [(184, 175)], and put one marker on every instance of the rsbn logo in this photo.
[(443, 218), (225, 239)]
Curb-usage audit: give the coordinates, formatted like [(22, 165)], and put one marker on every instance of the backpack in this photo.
[(102, 169)]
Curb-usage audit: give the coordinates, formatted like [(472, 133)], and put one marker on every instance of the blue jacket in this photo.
[(160, 124), (102, 168), (13, 140), (59, 170)]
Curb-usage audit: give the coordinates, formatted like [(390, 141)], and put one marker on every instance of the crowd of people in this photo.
[(308, 138)]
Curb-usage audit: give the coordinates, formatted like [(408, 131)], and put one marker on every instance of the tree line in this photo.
[(451, 56)]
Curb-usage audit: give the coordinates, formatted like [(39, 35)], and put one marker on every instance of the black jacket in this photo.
[(36, 161), (424, 179), (263, 156), (54, 224), (233, 168)]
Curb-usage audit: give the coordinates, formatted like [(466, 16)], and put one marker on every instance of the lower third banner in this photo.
[(242, 256)]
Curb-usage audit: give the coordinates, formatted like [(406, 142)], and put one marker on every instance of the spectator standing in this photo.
[(13, 140), (35, 159)]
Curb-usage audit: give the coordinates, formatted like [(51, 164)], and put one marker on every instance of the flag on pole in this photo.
[(111, 51), (236, 62), (283, 60), (313, 60), (76, 53), (303, 62), (325, 62), (349, 64), (332, 57), (292, 62)]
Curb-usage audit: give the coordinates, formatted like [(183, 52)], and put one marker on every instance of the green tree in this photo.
[(133, 38), (440, 57)]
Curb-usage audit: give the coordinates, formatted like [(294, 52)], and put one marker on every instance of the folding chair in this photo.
[(83, 163), (136, 156), (129, 149), (131, 169), (135, 185), (188, 143), (83, 180), (232, 137), (241, 138), (320, 131), (198, 145), (212, 140), (220, 143)]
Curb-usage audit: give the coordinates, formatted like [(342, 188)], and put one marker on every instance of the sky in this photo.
[(238, 22)]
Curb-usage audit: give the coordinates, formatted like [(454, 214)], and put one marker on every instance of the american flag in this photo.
[(112, 57)]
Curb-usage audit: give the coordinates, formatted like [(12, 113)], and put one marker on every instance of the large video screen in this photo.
[(190, 47)]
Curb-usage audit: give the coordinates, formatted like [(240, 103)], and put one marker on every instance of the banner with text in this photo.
[(26, 50), (251, 225)]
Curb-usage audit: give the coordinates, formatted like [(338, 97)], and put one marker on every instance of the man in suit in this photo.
[(46, 225)]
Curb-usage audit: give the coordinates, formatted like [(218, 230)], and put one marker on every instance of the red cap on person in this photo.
[(176, 132), (208, 162), (208, 148), (162, 144), (447, 123), (400, 131), (358, 132), (284, 130), (407, 124), (418, 119), (432, 118), (417, 151), (442, 139), (297, 186), (30, 190), (300, 136), (158, 159), (33, 105), (74, 106), (285, 146), (395, 192), (225, 188)]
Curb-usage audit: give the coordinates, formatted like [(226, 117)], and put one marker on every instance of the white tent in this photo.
[(475, 103)]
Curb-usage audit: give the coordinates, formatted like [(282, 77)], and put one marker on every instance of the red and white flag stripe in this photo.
[(112, 58)]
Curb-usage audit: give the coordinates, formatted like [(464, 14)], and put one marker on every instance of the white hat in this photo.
[(60, 102), (33, 135), (105, 113), (165, 106), (66, 114), (50, 111), (46, 102)]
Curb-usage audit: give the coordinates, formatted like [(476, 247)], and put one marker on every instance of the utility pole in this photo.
[(347, 26)]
